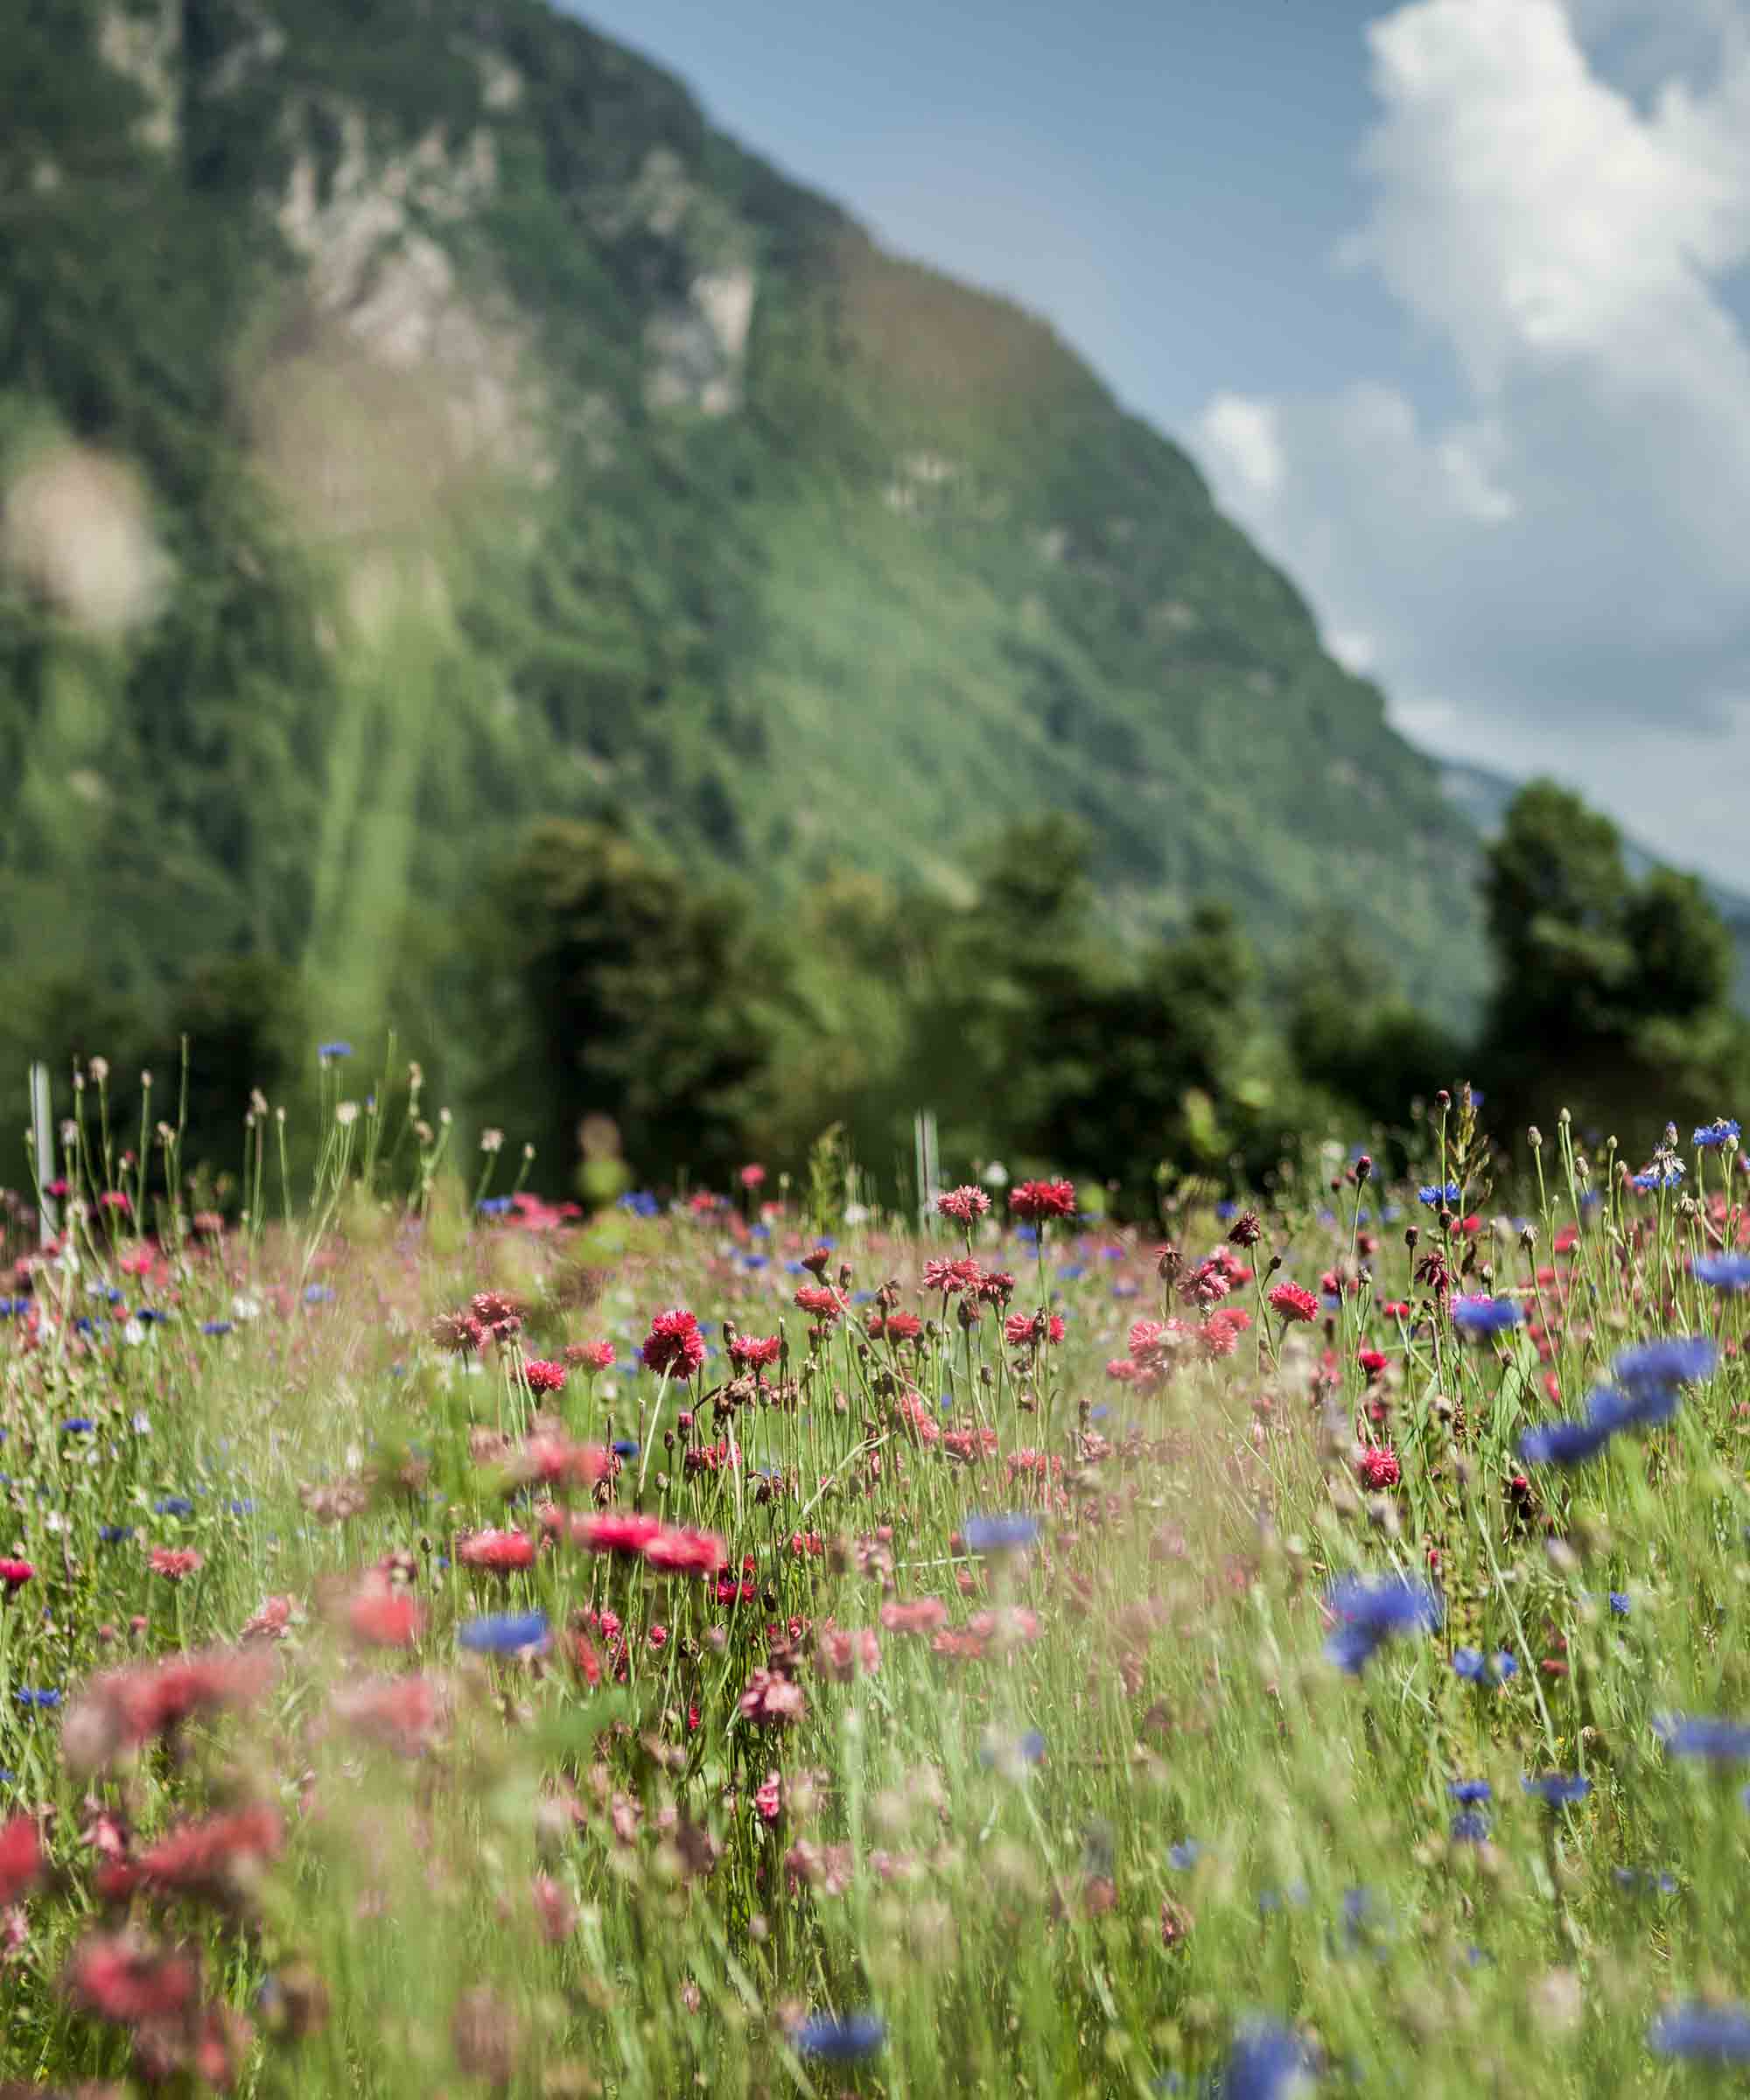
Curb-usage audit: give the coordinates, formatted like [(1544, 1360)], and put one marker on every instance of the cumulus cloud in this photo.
[(1558, 576)]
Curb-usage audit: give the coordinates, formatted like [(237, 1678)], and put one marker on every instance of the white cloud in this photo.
[(1568, 565), (1242, 431)]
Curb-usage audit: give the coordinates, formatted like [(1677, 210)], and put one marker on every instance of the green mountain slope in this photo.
[(414, 418)]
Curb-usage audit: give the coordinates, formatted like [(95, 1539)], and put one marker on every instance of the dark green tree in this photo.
[(612, 987)]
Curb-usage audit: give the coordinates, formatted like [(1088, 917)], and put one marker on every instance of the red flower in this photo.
[(16, 1574), (754, 1352), (499, 1314), (457, 1331), (965, 1205), (753, 1176), (1378, 1468), (271, 1623), (544, 1377), (207, 1856), (842, 1655), (817, 1299), (383, 1614), (557, 1463), (173, 1561), (590, 1355), (772, 1700), (674, 1343), (921, 1615), (613, 1533), (950, 1277), (402, 1712), (1037, 1201), (120, 1978), (1293, 1301), (686, 1553), (894, 1327), (499, 1552), (21, 1857), (1373, 1361)]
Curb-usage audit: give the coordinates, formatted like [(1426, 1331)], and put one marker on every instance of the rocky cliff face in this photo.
[(502, 441)]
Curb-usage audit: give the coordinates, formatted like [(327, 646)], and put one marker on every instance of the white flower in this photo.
[(246, 1308), (996, 1175), (143, 1425), (134, 1333)]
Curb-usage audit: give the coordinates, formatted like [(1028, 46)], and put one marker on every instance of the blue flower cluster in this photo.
[(1649, 1383), (1438, 1192), (1484, 1315), (1711, 1135), (1370, 1612)]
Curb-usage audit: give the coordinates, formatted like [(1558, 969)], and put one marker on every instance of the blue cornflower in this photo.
[(1558, 1789), (1227, 1210), (1565, 1443), (1277, 1899), (329, 1052), (1438, 1192), (1007, 1533), (1700, 1735), (1644, 1878), (1470, 1826), (1714, 1134), (626, 1447), (1371, 1611), (1027, 1749), (26, 1697), (242, 1505), (641, 1203), (1654, 1366), (1708, 2034), (1484, 1315), (1722, 1271), (493, 1206), (1185, 1853), (1469, 1792), (1651, 1178), (318, 1294), (504, 1633), (1266, 2061), (841, 2041), (215, 1326), (78, 1425), (1618, 1604), (115, 1534), (1475, 1667), (173, 1505)]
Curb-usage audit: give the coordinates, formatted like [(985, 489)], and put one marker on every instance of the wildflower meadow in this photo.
[(761, 1641)]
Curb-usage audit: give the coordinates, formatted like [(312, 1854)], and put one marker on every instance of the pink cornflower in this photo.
[(1038, 1201), (686, 1553), (675, 1345), (174, 1561), (841, 1655), (590, 1355), (615, 1533), (21, 1857), (755, 1352), (499, 1314), (752, 1175), (556, 1912), (544, 1377), (460, 1332), (951, 1277), (993, 1286), (965, 1205), (772, 1700), (556, 1462), (123, 1979), (498, 1552), (914, 1410), (403, 1713), (16, 1574), (769, 1798), (206, 1857), (1020, 1329), (1293, 1301), (894, 1327), (1378, 1468), (921, 1615), (271, 1623), (383, 1614), (817, 1299)]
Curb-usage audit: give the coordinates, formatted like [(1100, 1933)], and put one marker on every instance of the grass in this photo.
[(1107, 1804)]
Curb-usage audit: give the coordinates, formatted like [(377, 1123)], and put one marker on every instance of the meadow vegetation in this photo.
[(751, 1642)]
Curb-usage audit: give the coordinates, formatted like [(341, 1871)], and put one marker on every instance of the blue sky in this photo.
[(1447, 298)]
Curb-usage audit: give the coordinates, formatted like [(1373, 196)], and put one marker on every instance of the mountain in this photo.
[(1482, 797), (414, 418)]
